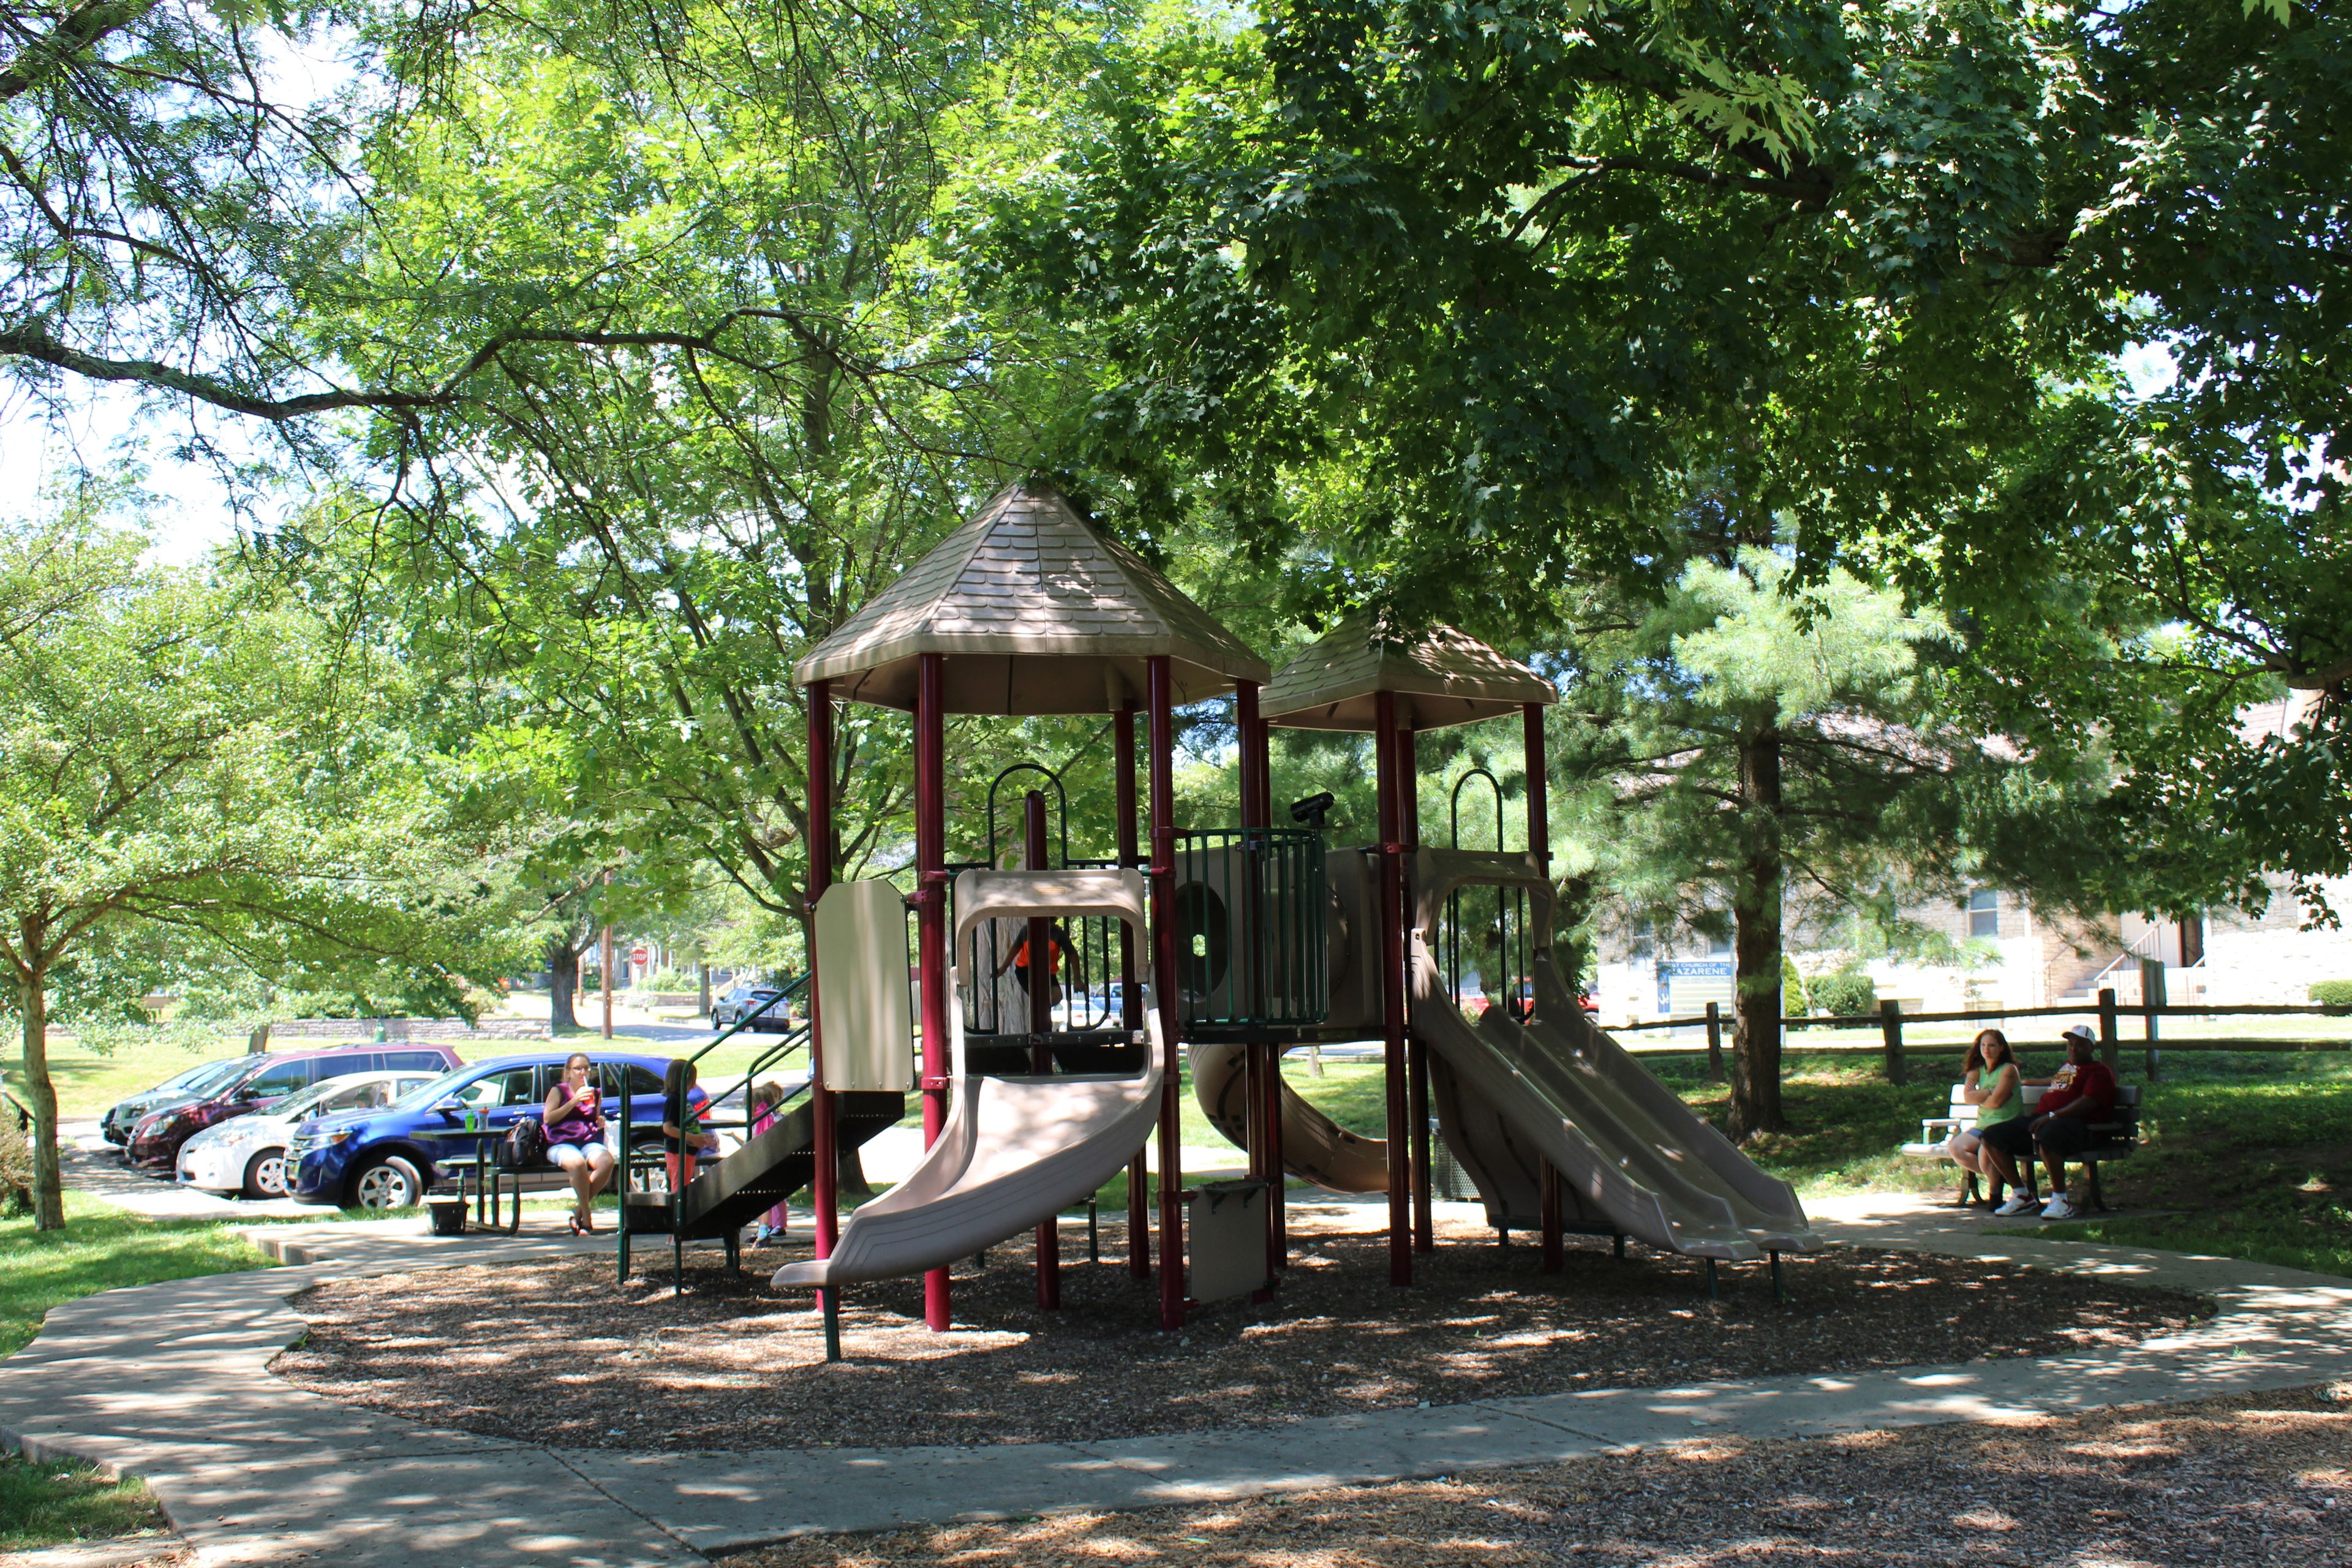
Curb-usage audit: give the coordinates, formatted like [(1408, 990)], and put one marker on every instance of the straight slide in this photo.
[(1016, 1150), (1314, 1147), (1633, 1155)]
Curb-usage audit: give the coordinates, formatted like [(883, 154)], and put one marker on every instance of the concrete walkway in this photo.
[(170, 1382)]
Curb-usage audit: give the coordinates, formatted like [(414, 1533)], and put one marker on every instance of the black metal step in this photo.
[(772, 1165)]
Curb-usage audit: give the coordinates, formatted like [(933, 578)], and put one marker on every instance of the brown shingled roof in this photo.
[(1037, 613), (1439, 676)]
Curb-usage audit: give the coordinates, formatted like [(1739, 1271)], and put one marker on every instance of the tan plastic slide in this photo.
[(1314, 1147), (1015, 1151), (1560, 1090)]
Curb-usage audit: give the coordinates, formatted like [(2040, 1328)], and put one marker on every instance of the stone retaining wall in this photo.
[(406, 1029)]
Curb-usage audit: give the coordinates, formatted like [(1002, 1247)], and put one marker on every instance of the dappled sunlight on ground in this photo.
[(2236, 1481), (733, 1366)]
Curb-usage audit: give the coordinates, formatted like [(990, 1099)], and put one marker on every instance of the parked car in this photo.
[(264, 1081), (117, 1123), (246, 1155), (385, 1158), (731, 1007)]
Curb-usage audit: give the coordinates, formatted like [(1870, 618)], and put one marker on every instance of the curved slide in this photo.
[(1631, 1153), (1314, 1147), (1015, 1151)]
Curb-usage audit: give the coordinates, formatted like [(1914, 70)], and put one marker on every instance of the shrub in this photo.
[(1844, 994), (2331, 993), (16, 1164)]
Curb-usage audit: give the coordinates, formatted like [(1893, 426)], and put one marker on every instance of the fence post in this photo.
[(1715, 1042), (1890, 1026), (2110, 1046), (2151, 996)]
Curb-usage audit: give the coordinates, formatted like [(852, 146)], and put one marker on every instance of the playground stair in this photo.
[(727, 1193)]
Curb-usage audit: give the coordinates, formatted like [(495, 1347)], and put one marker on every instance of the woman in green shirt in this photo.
[(1999, 1096)]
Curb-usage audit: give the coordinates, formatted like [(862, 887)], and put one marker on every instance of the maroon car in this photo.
[(157, 1137)]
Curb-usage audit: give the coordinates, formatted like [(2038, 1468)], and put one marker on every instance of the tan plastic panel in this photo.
[(1047, 895), (865, 1017)]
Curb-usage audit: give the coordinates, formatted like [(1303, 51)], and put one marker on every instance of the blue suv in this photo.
[(384, 1158)]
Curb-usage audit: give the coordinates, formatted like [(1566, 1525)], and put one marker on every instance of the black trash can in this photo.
[(448, 1211)]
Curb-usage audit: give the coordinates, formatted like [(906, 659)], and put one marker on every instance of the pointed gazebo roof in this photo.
[(1440, 677), (1038, 614)]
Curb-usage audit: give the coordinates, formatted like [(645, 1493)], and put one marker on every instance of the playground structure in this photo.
[(1045, 1063)]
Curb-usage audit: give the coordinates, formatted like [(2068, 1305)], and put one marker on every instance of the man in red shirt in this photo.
[(2080, 1094)]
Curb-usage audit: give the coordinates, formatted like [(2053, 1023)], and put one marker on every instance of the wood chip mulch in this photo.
[(556, 1353), (2233, 1482)]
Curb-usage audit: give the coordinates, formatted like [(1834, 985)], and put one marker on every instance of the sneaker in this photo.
[(2018, 1203), (2059, 1207)]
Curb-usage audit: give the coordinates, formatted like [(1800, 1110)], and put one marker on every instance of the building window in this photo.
[(1984, 913)]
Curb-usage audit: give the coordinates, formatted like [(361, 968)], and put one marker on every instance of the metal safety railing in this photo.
[(1490, 924), (1251, 918)]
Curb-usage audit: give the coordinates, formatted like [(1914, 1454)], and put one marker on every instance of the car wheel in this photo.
[(388, 1183), (265, 1174)]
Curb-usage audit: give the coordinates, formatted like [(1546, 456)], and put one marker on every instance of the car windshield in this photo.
[(441, 1088), (211, 1076), (311, 1103)]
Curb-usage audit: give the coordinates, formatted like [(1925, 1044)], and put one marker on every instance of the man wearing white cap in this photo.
[(2081, 1093)]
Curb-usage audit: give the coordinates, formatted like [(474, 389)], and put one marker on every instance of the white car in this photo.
[(246, 1155)]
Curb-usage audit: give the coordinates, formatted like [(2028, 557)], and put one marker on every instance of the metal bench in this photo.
[(488, 1184), (2118, 1138)]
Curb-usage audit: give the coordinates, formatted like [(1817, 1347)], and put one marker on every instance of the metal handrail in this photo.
[(783, 992), (791, 1039), (2130, 954)]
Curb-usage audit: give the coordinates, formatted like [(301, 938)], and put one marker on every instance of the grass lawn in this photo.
[(102, 1247), (45, 1505), (88, 1082), (2247, 1154)]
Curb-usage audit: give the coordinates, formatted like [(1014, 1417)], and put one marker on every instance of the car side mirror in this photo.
[(451, 1108)]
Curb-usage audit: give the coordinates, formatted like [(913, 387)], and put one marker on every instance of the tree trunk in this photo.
[(1755, 937), (49, 1181), (702, 987), (563, 983)]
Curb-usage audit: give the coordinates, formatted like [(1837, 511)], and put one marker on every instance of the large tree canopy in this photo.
[(182, 751), (1451, 307)]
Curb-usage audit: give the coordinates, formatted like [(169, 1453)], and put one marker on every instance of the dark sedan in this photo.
[(735, 1004)]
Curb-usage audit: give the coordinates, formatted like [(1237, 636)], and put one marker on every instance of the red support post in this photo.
[(1425, 1226), (1391, 791), (1532, 726), (1258, 763), (826, 1179), (1123, 808), (1041, 973), (1555, 1245), (1424, 1222), (931, 922), (1261, 1106), (1161, 699)]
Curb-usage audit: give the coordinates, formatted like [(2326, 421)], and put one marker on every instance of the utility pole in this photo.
[(605, 965)]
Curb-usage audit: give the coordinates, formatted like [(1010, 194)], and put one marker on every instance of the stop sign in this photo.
[(640, 956)]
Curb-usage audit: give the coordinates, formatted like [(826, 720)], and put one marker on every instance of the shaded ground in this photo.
[(556, 1353), (99, 1248), (46, 1504), (2246, 1480)]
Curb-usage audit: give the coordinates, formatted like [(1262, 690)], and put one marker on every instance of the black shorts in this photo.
[(2065, 1137), (2013, 1137)]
